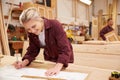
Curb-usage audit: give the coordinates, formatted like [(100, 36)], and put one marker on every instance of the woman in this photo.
[(47, 34)]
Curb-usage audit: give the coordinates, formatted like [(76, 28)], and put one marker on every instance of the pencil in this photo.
[(16, 55)]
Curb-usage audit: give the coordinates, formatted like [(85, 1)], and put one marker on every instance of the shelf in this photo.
[(17, 10), (15, 13), (15, 18)]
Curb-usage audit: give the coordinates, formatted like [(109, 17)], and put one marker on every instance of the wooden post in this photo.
[(100, 21), (54, 8), (0, 47), (110, 9), (45, 8), (95, 28), (114, 13), (3, 33)]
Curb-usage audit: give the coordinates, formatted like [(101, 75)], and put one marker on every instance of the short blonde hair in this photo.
[(28, 14)]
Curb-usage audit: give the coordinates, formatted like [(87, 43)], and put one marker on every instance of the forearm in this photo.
[(21, 64), (25, 62), (59, 66)]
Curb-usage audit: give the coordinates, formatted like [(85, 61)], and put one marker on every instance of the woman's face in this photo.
[(34, 26)]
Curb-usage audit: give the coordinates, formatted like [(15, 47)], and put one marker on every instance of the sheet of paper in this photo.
[(10, 73)]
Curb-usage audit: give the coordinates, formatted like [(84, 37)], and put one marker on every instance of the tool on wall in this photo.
[(19, 5), (10, 11)]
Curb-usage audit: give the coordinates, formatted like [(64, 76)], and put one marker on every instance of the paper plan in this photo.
[(10, 73)]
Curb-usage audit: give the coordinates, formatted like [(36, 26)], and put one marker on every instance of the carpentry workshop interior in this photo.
[(79, 40)]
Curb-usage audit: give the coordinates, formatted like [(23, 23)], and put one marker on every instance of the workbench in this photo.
[(93, 73), (102, 55)]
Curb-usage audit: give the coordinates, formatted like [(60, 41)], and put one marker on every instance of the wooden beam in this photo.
[(100, 21), (54, 8), (3, 33), (110, 9), (0, 46), (53, 3), (95, 28), (114, 13), (100, 26)]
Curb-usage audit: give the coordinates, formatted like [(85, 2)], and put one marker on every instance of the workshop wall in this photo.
[(64, 10)]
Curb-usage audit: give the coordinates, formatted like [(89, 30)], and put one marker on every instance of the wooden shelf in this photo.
[(15, 18), (15, 13), (17, 10)]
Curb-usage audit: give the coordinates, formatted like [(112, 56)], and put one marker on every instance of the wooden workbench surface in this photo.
[(93, 73)]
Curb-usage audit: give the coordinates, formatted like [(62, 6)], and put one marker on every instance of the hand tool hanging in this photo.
[(10, 11)]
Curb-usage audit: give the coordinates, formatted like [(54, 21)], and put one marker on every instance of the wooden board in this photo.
[(0, 47), (95, 28), (93, 72), (106, 56), (111, 36), (114, 13), (100, 21), (3, 33)]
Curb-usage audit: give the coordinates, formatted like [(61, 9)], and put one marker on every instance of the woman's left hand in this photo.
[(55, 70)]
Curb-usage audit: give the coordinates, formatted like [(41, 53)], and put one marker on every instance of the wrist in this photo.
[(59, 66), (25, 62)]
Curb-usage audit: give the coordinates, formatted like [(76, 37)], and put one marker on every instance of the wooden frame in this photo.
[(111, 36), (49, 13), (42, 11)]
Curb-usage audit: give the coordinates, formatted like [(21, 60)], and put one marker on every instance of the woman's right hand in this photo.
[(20, 64)]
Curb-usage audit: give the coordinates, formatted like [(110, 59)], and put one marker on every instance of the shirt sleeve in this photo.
[(64, 48), (102, 33), (32, 51)]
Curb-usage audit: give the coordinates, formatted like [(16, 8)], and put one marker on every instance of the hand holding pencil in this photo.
[(20, 64)]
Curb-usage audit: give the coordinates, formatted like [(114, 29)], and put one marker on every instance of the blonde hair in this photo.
[(28, 14)]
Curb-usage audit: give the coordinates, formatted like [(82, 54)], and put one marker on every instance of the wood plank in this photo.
[(114, 13), (105, 56), (3, 33), (0, 47), (38, 77), (95, 28), (54, 8), (97, 60), (100, 48), (110, 9), (111, 36), (100, 21)]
